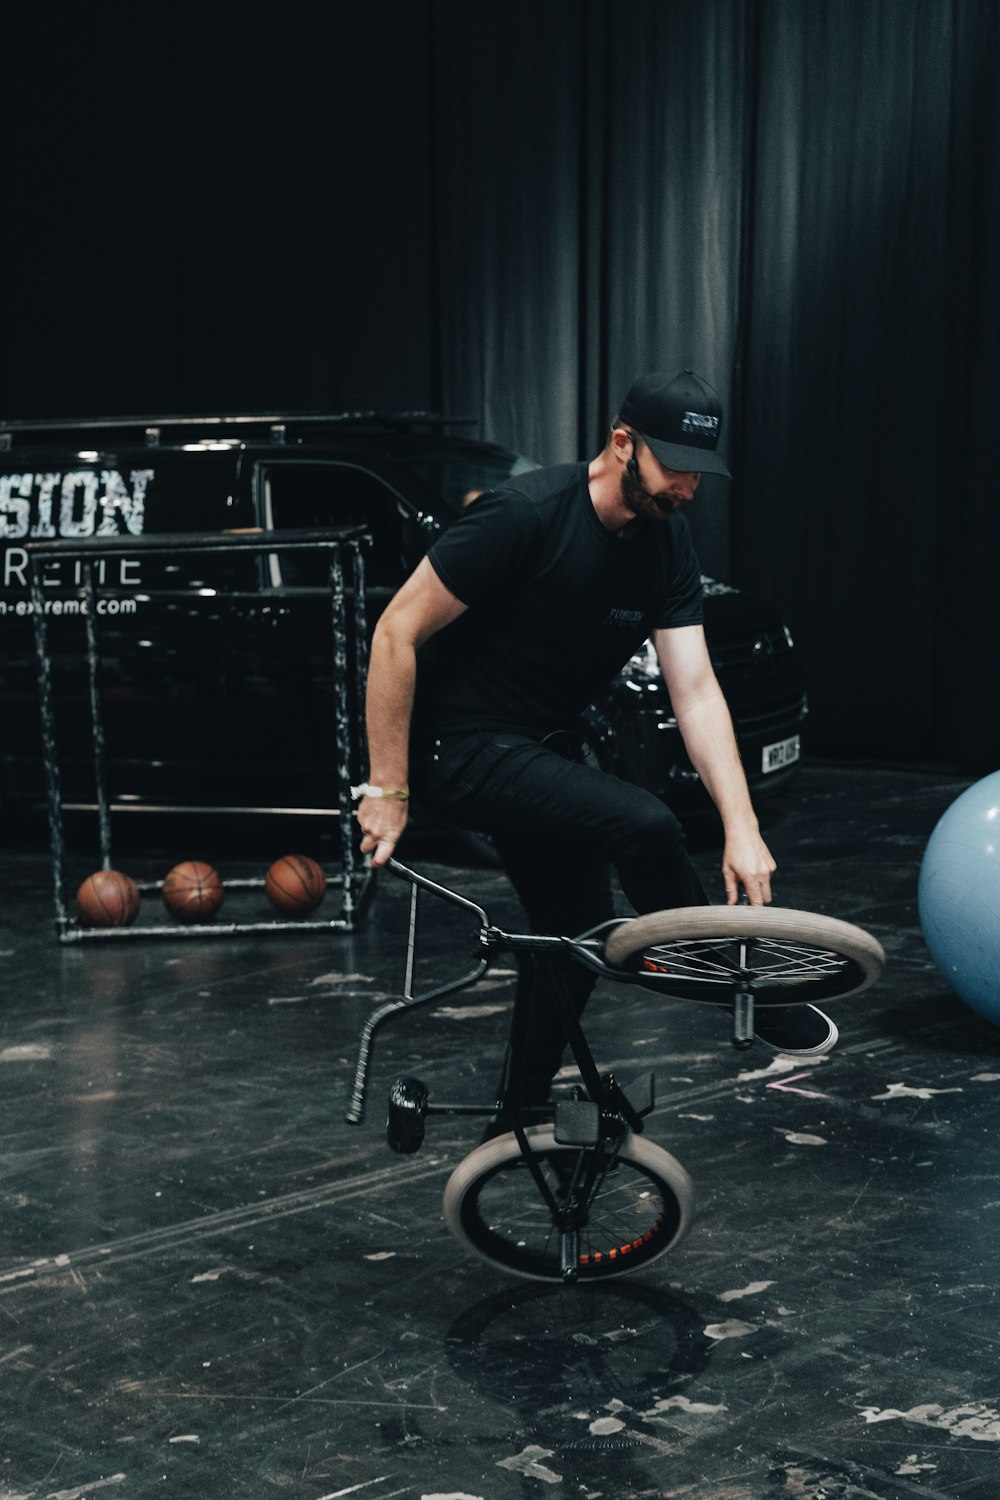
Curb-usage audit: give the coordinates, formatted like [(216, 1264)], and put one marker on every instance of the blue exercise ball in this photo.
[(959, 897)]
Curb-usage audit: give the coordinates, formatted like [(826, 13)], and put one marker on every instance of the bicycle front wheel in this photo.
[(640, 1208), (783, 957)]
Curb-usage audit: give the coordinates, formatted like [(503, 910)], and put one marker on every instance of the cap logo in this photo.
[(701, 423)]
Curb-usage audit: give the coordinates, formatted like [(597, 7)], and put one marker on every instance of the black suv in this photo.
[(216, 669)]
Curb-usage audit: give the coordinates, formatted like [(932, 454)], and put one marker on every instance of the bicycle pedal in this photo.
[(404, 1127), (578, 1123)]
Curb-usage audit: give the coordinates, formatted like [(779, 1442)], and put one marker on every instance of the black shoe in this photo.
[(799, 1030)]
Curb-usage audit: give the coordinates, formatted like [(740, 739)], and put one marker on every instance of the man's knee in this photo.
[(650, 833)]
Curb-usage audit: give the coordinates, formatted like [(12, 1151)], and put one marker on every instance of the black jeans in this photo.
[(559, 825)]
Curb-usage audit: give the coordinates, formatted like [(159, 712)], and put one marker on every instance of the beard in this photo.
[(640, 503)]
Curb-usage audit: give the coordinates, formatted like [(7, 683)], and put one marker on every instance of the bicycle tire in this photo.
[(642, 1208), (784, 957)]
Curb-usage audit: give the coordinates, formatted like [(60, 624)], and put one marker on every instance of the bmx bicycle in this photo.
[(573, 1191)]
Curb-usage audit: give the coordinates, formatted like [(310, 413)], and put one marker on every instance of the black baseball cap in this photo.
[(679, 417)]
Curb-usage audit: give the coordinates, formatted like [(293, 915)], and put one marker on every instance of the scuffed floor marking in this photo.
[(776, 1067), (911, 1465), (85, 1489), (787, 1086), (745, 1291), (452, 1495), (685, 1404), (353, 1488), (335, 980), (26, 1052), (904, 1091), (468, 1012), (732, 1328), (978, 1422), (605, 1426), (527, 1463)]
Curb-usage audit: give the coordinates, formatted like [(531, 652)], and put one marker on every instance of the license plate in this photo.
[(784, 753)]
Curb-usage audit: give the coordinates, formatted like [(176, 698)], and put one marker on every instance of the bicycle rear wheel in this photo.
[(640, 1209), (783, 957)]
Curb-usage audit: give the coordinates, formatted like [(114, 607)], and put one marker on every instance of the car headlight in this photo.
[(643, 666)]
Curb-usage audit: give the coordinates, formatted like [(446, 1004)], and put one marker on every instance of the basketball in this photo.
[(108, 899), (295, 885), (192, 891)]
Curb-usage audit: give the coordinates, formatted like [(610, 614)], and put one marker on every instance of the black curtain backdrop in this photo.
[(508, 212), (865, 504)]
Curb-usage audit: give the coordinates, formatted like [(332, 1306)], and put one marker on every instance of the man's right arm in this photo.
[(421, 607)]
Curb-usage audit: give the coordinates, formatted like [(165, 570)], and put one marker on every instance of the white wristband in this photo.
[(389, 793)]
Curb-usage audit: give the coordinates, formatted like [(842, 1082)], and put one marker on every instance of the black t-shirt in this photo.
[(557, 604)]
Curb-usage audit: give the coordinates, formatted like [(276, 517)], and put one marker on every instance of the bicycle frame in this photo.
[(595, 1118), (585, 949)]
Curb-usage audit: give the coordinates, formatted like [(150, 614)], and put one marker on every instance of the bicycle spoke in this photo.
[(723, 963), (714, 953)]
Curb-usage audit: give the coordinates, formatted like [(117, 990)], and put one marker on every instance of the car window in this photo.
[(457, 475), (335, 494), (192, 495)]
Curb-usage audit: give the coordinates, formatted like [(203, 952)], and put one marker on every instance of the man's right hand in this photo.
[(422, 606), (382, 822)]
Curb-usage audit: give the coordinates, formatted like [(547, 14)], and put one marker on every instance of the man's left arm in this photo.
[(707, 729)]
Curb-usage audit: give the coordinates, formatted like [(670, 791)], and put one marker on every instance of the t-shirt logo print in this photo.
[(624, 617)]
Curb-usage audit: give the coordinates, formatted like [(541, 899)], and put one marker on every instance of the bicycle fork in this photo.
[(589, 1172)]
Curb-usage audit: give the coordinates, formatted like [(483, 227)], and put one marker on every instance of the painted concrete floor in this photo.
[(212, 1286)]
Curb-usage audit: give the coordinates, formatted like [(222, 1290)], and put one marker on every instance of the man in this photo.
[(481, 664)]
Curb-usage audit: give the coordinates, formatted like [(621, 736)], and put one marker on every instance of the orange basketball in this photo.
[(295, 885), (192, 891), (108, 899)]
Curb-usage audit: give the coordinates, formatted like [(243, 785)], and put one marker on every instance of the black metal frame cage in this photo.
[(233, 428), (350, 658)]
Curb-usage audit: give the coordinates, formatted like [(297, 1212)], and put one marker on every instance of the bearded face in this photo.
[(642, 504), (668, 489)]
